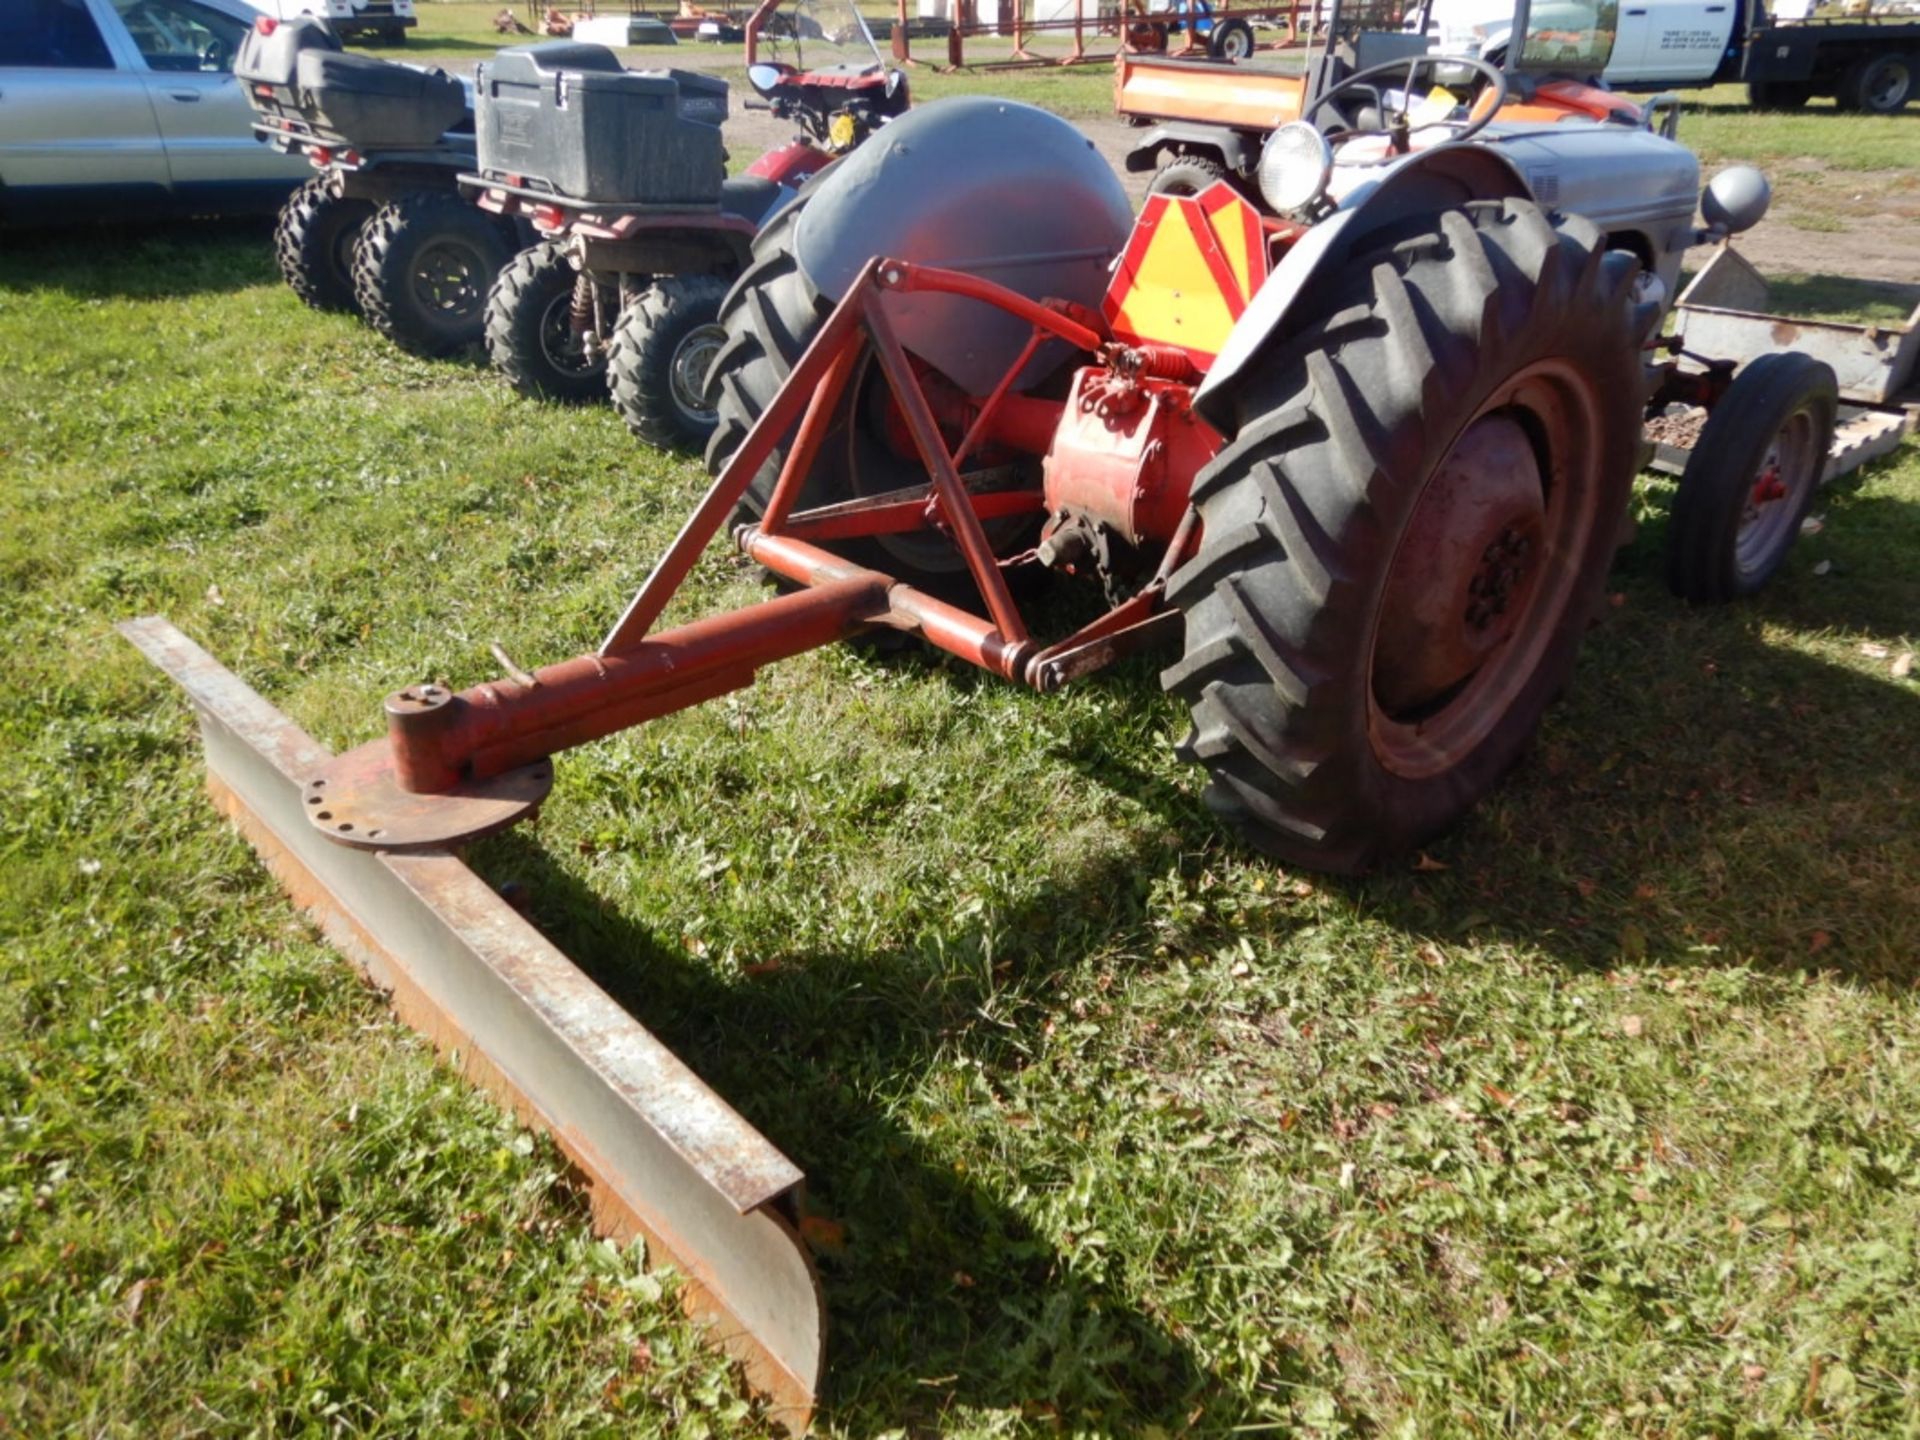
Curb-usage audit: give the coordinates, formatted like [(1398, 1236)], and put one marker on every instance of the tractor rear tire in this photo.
[(662, 355), (422, 271), (1878, 84), (1187, 175), (314, 240), (1773, 428), (529, 329), (1409, 532), (770, 315)]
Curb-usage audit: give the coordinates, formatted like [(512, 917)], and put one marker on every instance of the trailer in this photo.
[(1727, 312)]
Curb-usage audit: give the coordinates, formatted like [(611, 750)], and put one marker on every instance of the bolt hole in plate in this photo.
[(367, 809)]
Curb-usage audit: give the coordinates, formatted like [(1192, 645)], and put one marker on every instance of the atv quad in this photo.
[(381, 229), (642, 233)]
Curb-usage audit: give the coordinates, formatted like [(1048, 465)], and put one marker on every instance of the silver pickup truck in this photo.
[(128, 109)]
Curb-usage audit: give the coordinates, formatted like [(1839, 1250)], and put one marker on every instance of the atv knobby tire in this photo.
[(314, 241), (1751, 478), (422, 270), (1187, 175), (1406, 537), (658, 367), (770, 316), (529, 329)]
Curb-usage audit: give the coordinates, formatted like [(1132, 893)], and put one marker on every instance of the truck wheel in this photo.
[(422, 270), (662, 357), (1778, 95), (1751, 477), (1408, 533), (529, 329), (313, 242), (770, 315), (1232, 40), (1878, 84), (1187, 175)]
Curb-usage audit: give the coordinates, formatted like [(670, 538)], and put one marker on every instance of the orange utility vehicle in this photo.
[(1209, 121)]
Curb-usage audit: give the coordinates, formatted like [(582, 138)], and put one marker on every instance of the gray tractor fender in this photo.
[(1422, 184), (998, 189), (1237, 151)]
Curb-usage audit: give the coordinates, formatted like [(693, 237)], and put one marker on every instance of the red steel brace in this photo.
[(456, 766)]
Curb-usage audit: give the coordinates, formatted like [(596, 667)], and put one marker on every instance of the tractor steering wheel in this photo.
[(1398, 128)]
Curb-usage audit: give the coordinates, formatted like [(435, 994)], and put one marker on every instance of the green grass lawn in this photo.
[(1599, 1120)]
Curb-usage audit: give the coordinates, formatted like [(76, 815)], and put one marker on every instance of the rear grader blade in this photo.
[(665, 1158)]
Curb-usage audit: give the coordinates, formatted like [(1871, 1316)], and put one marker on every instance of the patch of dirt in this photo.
[(1873, 247), (1679, 428)]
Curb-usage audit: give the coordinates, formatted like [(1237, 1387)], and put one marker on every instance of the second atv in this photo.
[(623, 174), (381, 228)]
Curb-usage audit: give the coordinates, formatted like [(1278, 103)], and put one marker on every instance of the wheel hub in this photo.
[(692, 367), (1786, 471), (567, 346), (444, 281), (1502, 571), (1465, 568)]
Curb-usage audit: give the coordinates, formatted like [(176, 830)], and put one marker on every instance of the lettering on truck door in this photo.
[(1684, 38)]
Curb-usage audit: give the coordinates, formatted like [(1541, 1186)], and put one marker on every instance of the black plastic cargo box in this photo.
[(301, 72), (569, 118)]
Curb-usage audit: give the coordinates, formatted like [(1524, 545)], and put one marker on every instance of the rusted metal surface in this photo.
[(1861, 435), (1073, 660), (1465, 567), (949, 494), (455, 767), (360, 799), (666, 1158), (1487, 571), (971, 637), (730, 486), (1126, 453), (1722, 315)]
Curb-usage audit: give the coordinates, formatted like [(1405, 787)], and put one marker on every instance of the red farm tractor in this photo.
[(1361, 463)]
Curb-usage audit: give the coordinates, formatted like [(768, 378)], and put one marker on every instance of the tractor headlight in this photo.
[(1295, 165)]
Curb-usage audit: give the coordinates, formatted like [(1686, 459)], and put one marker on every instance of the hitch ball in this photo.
[(1735, 199)]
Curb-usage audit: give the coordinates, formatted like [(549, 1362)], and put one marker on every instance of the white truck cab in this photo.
[(1656, 42), (1866, 56)]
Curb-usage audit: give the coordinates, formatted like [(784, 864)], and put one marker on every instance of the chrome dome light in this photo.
[(1295, 165)]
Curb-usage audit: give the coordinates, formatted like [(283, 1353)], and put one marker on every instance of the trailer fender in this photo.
[(1422, 184), (988, 186), (1238, 152)]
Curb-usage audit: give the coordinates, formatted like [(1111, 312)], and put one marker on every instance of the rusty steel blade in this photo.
[(665, 1157)]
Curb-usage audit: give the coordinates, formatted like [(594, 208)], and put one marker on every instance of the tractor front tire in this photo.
[(1187, 175), (529, 329), (1409, 532), (422, 271), (662, 355), (1751, 478), (314, 240)]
